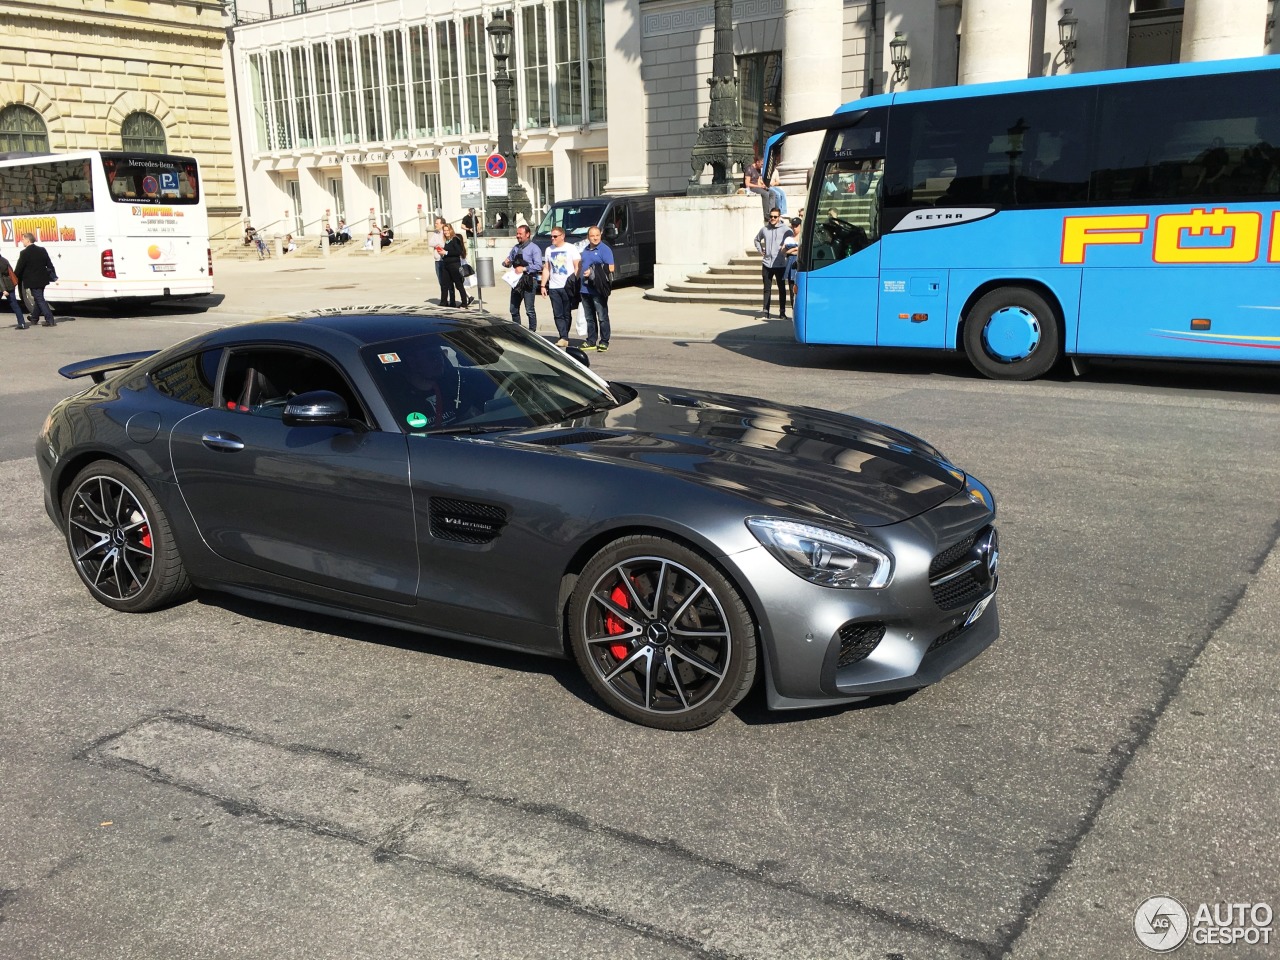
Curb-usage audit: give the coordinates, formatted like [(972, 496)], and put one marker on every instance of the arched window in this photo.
[(142, 133), (22, 130)]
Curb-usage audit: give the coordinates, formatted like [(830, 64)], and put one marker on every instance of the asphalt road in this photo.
[(229, 780)]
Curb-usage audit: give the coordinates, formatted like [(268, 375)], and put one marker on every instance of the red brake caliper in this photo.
[(146, 536), (613, 625)]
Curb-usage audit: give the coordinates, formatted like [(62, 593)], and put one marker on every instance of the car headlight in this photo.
[(823, 556)]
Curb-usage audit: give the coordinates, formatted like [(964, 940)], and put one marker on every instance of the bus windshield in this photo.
[(159, 179)]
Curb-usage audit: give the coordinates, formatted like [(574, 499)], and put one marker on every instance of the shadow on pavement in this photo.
[(1170, 374), (132, 307)]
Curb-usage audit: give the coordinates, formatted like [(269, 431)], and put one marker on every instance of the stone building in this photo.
[(361, 107), (122, 74)]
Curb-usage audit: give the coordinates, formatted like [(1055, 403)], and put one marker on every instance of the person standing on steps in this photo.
[(770, 243)]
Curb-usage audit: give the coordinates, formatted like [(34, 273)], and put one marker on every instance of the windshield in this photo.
[(482, 378), (152, 178), (575, 219)]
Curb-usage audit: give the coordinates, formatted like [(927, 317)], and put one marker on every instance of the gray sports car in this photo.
[(463, 477)]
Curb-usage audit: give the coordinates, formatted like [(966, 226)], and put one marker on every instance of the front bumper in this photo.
[(914, 641)]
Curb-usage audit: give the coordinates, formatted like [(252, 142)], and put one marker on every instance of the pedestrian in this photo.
[(452, 252), (526, 260), (471, 224), (770, 195), (791, 249), (35, 271), (559, 263), (596, 270), (435, 240), (344, 231), (289, 245), (769, 244), (9, 286)]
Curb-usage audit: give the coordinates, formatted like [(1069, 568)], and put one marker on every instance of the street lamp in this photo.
[(899, 57), (500, 31), (1067, 36)]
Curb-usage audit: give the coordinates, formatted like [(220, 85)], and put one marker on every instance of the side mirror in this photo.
[(318, 408), (580, 355)]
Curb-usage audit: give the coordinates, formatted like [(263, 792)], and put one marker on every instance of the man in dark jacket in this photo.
[(596, 269), (35, 272)]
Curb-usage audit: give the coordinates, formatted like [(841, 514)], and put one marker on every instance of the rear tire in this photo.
[(661, 634), (1012, 334), (120, 540)]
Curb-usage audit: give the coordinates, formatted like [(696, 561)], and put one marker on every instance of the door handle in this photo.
[(227, 442)]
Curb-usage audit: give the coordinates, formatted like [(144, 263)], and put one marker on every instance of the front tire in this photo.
[(1012, 334), (120, 540), (661, 635)]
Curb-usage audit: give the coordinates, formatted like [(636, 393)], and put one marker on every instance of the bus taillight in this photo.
[(108, 264), (209, 251)]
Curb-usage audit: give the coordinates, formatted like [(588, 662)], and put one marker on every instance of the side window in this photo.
[(1020, 150), (620, 219), (1189, 139), (189, 380), (261, 382), (848, 215)]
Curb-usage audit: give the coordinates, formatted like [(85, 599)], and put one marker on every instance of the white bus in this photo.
[(115, 224)]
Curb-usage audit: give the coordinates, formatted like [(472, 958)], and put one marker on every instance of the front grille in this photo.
[(857, 640), (952, 585), (465, 521)]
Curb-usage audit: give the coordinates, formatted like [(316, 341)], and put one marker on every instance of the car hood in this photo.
[(797, 459)]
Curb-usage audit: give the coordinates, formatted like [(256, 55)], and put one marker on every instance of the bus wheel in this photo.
[(1012, 334)]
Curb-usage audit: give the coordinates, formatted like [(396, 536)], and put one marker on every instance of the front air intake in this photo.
[(857, 640)]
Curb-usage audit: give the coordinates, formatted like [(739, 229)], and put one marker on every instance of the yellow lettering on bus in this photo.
[(1274, 255), (1242, 230), (1080, 232)]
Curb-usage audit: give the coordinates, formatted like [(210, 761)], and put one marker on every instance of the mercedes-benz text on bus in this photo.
[(1123, 213), (115, 224)]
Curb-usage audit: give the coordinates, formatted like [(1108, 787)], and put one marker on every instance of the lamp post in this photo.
[(500, 30)]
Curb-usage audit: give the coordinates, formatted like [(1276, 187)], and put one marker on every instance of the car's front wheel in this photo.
[(661, 635), (120, 540)]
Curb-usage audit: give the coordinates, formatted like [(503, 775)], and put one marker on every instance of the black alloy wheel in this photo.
[(120, 540), (661, 635)]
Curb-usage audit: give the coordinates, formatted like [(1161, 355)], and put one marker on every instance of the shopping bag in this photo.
[(580, 322)]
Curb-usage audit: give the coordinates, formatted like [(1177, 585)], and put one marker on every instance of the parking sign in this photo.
[(468, 166)]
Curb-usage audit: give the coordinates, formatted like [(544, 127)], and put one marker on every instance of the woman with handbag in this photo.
[(452, 253)]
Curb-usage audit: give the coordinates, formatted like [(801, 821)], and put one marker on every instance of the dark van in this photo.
[(626, 223)]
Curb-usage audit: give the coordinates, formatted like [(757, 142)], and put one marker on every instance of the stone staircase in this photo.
[(309, 249), (734, 284)]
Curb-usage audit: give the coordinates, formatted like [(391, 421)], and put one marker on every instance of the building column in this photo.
[(995, 40), (314, 197), (1222, 29), (812, 64), (406, 196), (624, 101)]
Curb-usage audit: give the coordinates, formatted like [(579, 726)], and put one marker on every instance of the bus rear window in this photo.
[(151, 179)]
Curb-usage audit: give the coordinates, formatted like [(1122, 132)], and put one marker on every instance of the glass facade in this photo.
[(429, 79)]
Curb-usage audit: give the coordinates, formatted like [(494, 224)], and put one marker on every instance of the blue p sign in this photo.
[(468, 166)]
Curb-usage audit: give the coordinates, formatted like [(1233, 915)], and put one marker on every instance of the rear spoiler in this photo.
[(100, 367)]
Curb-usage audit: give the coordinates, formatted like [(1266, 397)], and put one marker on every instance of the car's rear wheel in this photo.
[(661, 635), (120, 540), (1012, 334)]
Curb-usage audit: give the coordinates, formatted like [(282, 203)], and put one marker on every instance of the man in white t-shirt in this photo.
[(559, 263)]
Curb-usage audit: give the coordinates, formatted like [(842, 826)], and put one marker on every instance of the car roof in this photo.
[(377, 324)]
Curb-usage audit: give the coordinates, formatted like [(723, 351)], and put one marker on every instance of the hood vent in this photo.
[(465, 521), (572, 437)]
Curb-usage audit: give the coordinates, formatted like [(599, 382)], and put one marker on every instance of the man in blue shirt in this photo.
[(597, 282), (526, 259)]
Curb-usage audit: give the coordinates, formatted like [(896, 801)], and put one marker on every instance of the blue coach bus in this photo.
[(1122, 213)]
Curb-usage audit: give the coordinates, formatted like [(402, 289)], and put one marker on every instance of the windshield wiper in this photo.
[(471, 428), (588, 408)]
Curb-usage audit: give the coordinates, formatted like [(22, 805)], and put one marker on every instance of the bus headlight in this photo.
[(823, 556)]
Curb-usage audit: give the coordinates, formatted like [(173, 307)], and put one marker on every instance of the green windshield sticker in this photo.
[(416, 420)]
